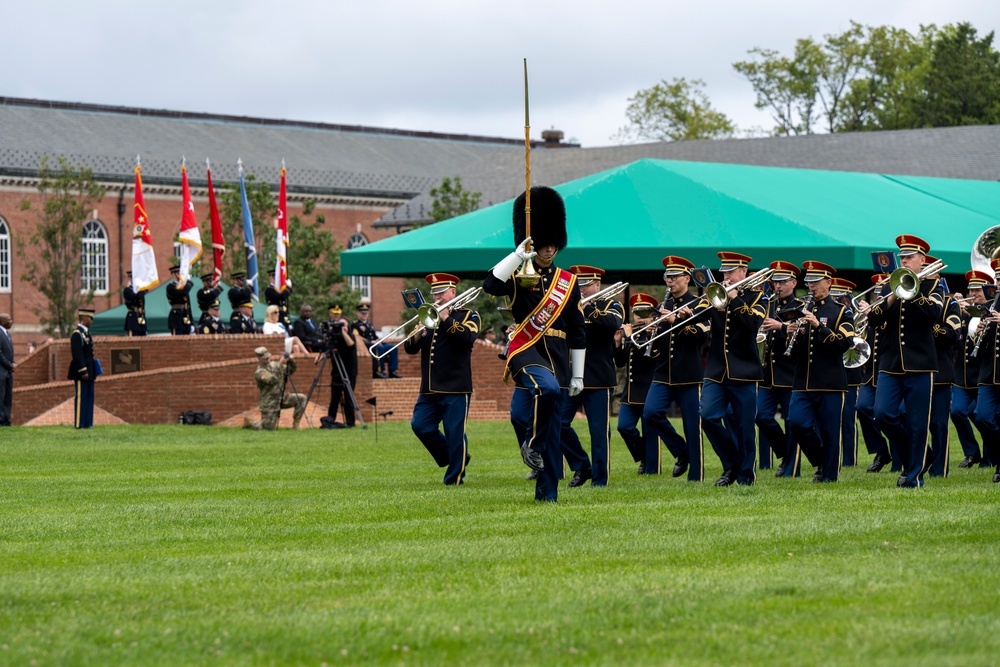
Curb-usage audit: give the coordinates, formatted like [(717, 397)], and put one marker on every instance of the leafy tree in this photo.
[(963, 79), (68, 196), (787, 87), (451, 199), (674, 111)]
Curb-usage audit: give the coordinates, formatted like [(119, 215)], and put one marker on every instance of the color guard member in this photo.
[(818, 341), (775, 391), (445, 380), (603, 319), (279, 297), (238, 294), (179, 321), (966, 386), (907, 364), (208, 294), (677, 377), (731, 375), (638, 367), (135, 302), (547, 350)]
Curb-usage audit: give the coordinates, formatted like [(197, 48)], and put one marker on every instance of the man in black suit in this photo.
[(307, 330), (6, 368)]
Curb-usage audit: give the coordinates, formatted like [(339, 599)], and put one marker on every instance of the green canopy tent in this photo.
[(626, 219), (111, 322)]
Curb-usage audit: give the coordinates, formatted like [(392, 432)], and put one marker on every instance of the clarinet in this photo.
[(807, 305), (982, 334)]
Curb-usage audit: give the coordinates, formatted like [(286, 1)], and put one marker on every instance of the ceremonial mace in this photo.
[(526, 275)]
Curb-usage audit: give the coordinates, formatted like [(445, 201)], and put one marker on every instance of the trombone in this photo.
[(609, 292), (904, 284), (717, 296), (429, 316)]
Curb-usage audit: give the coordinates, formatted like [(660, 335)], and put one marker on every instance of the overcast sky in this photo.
[(421, 65)]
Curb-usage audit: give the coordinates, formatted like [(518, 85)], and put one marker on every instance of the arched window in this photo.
[(5, 270), (94, 265), (362, 283)]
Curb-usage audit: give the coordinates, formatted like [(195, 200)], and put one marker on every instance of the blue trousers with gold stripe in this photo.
[(83, 404), (987, 406), (596, 405), (659, 398), (535, 407), (736, 447), (963, 407), (772, 437), (849, 429), (814, 418), (629, 416), (906, 427), (450, 448), (937, 459)]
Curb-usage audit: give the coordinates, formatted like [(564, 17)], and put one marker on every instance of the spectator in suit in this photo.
[(6, 368), (306, 330)]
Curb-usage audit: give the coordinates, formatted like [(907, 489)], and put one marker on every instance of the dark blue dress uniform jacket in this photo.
[(679, 352), (819, 351), (207, 296), (638, 371), (135, 319), (908, 334), (603, 320), (552, 351), (237, 296), (966, 366), (946, 332), (180, 306), (446, 354), (733, 351), (988, 355), (779, 370), (81, 347)]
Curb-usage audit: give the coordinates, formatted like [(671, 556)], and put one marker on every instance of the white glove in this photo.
[(288, 282), (578, 359), (506, 266)]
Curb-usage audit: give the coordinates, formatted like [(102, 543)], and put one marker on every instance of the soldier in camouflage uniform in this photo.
[(270, 378)]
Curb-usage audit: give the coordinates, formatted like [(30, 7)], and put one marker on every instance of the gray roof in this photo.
[(322, 157), (971, 152)]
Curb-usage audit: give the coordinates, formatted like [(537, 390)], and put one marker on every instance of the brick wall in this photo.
[(215, 373)]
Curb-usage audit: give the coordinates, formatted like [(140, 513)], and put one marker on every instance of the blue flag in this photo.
[(248, 242)]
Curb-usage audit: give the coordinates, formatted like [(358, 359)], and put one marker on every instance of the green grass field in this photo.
[(175, 545)]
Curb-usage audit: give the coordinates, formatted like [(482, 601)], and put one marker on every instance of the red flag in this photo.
[(218, 246), (190, 236), (144, 275), (281, 266)]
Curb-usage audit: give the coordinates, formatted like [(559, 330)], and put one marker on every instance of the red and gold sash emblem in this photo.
[(531, 330)]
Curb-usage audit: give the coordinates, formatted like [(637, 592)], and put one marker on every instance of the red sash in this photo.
[(531, 330)]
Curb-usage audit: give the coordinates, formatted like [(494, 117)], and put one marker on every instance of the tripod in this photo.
[(345, 380)]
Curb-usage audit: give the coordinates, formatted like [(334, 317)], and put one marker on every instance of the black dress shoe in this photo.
[(728, 477), (680, 467), (531, 476), (532, 458), (996, 476), (901, 481), (779, 471), (641, 470), (395, 374), (379, 376), (818, 475), (580, 477), (468, 457), (970, 461), (877, 463)]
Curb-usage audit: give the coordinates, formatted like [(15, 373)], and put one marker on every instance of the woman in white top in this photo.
[(293, 345)]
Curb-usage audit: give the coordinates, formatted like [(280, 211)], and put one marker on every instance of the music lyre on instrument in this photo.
[(526, 276)]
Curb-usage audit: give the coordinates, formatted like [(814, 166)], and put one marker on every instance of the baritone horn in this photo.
[(428, 316)]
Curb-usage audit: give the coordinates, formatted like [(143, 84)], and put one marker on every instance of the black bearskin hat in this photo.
[(548, 218)]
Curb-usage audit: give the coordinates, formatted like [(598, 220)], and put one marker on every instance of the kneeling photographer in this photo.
[(339, 341), (271, 377)]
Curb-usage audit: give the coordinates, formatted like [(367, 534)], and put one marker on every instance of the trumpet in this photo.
[(429, 316), (609, 292)]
